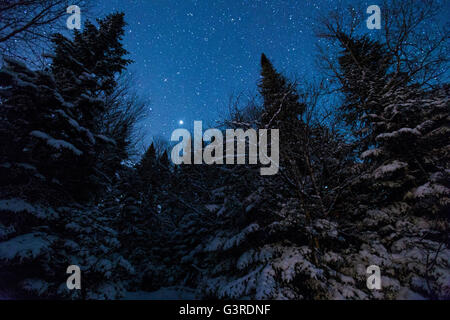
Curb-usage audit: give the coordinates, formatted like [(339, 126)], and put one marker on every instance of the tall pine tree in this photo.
[(54, 162)]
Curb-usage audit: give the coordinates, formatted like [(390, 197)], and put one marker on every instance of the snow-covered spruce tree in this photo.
[(364, 65), (181, 223), (400, 218), (260, 239), (281, 100), (85, 70), (364, 76), (49, 162), (281, 110), (397, 218), (141, 222), (150, 201)]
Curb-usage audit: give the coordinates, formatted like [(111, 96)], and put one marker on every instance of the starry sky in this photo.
[(192, 55)]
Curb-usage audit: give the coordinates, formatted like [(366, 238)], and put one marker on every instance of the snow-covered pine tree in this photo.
[(51, 160), (402, 215), (404, 139), (147, 165), (281, 100), (364, 65), (138, 221), (257, 237), (389, 222), (281, 110), (85, 70)]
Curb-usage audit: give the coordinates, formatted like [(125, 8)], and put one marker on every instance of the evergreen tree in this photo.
[(401, 181), (54, 163), (364, 66), (85, 70), (400, 215), (147, 165), (280, 97), (254, 237), (164, 159), (282, 110)]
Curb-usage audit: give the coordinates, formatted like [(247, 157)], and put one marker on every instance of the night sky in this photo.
[(191, 56)]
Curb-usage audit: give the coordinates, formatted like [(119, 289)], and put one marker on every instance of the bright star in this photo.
[(181, 122)]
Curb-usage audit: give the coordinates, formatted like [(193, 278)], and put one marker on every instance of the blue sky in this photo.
[(191, 55)]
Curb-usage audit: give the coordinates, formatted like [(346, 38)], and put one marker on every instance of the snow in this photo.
[(106, 291), (430, 189), (212, 208), (106, 139), (237, 288), (25, 247), (6, 165), (5, 232), (55, 143), (35, 286), (69, 244), (121, 261), (399, 133), (19, 205), (165, 293), (425, 125), (215, 244), (245, 259), (237, 239), (266, 284), (371, 153), (261, 255), (27, 166), (73, 226), (104, 266), (407, 294), (77, 126), (384, 170), (16, 205), (293, 262)]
